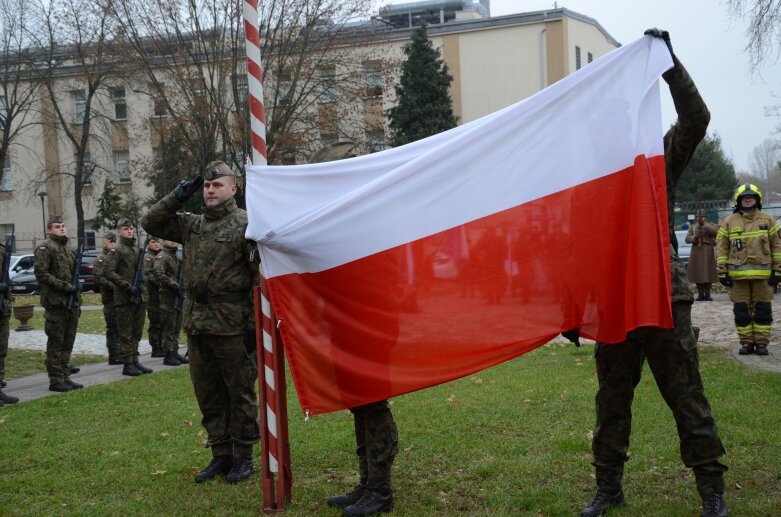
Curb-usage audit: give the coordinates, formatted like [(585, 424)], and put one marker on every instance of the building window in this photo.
[(120, 106), (6, 184), (374, 82), (86, 170), (284, 88), (328, 138), (376, 141), (89, 237), (577, 58), (159, 103), (328, 87), (121, 161), (7, 230), (590, 57), (79, 106)]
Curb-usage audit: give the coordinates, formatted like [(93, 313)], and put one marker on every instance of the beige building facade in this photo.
[(494, 62)]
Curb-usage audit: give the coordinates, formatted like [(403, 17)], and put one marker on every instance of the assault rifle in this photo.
[(5, 276), (138, 274), (180, 287), (75, 277)]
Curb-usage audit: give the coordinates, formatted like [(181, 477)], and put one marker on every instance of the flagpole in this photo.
[(275, 449)]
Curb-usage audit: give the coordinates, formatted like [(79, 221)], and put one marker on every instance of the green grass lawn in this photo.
[(19, 363), (512, 440)]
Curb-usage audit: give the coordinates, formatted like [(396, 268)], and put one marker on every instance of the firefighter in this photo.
[(748, 260)]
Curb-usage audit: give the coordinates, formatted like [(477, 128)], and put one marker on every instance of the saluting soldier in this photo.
[(107, 298), (166, 274), (153, 298), (5, 316), (55, 262), (129, 299), (219, 275)]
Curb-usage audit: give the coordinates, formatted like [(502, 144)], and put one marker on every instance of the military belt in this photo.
[(205, 298)]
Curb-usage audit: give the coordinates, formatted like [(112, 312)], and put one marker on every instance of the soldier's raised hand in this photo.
[(186, 188), (663, 35)]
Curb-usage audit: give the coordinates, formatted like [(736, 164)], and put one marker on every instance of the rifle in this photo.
[(138, 274), (75, 277), (180, 288), (5, 277)]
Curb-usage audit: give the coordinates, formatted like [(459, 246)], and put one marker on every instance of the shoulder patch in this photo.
[(42, 248), (159, 257)]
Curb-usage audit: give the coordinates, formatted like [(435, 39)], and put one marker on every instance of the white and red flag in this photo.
[(407, 268)]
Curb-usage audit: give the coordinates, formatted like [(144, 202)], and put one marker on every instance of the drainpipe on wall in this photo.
[(543, 61)]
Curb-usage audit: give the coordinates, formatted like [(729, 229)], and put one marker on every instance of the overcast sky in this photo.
[(709, 44)]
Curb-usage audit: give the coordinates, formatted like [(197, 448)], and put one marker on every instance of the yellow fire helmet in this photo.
[(748, 189)]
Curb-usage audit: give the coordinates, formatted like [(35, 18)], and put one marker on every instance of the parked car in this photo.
[(87, 271), (20, 263), (25, 283), (684, 249)]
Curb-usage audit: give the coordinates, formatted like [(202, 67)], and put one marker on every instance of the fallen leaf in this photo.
[(738, 486), (158, 472)]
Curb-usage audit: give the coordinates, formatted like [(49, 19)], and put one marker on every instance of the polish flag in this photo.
[(414, 266)]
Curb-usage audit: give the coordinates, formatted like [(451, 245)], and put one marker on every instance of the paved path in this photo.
[(715, 319)]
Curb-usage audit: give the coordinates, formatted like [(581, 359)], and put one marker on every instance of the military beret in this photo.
[(55, 219), (110, 236), (332, 152), (124, 223), (217, 169)]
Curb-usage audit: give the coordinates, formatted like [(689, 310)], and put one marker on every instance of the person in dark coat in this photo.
[(702, 262)]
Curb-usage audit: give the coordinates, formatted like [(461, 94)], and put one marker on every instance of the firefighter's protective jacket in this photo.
[(748, 246)]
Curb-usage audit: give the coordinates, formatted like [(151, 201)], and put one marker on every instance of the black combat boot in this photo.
[(158, 352), (746, 349), (371, 502), (349, 498), (74, 369), (182, 359), (141, 368), (60, 387), (602, 502), (761, 350), (74, 385), (219, 466), (714, 506), (115, 360), (130, 370), (171, 360), (7, 399), (240, 470)]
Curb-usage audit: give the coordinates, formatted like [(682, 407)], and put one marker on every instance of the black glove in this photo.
[(133, 291), (186, 188), (3, 287), (249, 341), (774, 279), (663, 35), (725, 280), (573, 335), (73, 290)]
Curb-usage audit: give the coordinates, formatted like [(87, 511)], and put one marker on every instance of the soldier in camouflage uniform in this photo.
[(55, 262), (217, 313), (166, 274), (153, 298), (671, 353), (107, 299), (5, 316), (129, 300)]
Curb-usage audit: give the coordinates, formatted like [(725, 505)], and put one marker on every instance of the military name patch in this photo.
[(225, 236)]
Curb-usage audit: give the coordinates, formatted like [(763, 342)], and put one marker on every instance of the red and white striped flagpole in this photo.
[(271, 358)]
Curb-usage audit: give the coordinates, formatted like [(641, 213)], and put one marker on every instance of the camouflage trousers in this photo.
[(4, 334), (110, 315), (130, 328), (170, 325), (60, 328), (674, 361), (377, 442), (155, 331), (753, 310), (224, 374)]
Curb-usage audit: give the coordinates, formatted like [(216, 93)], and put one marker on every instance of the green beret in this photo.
[(110, 236), (55, 219), (217, 169), (124, 223)]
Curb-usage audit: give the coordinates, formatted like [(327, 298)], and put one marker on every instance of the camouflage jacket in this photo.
[(680, 141), (120, 269), (99, 269), (152, 288), (54, 265), (5, 310), (165, 273), (218, 262)]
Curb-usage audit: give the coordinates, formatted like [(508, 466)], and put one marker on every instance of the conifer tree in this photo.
[(424, 105)]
